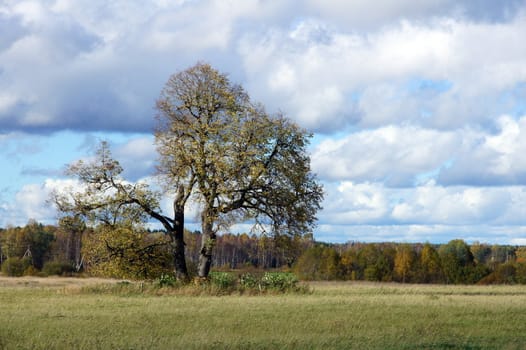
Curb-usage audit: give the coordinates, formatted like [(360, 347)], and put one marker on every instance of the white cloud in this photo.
[(355, 203), (102, 63), (491, 234), (429, 204), (138, 157), (31, 202), (432, 204), (363, 14), (372, 212), (371, 74), (7, 101), (490, 159), (408, 155), (394, 155), (425, 97)]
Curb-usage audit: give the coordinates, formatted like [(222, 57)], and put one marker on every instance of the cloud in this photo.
[(445, 74), (395, 155), (362, 15), (355, 203), (100, 65), (404, 156), (30, 202), (429, 204), (490, 234), (490, 159), (419, 106), (138, 157)]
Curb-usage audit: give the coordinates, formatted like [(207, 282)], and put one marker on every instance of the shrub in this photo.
[(282, 281), (57, 268), (31, 271), (249, 281), (504, 274), (15, 267), (166, 280), (520, 273), (222, 280)]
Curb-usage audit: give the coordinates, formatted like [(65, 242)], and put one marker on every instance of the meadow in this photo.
[(61, 313)]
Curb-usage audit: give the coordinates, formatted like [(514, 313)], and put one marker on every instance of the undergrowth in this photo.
[(218, 283)]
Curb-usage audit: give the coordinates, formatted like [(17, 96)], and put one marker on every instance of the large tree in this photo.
[(220, 150), (242, 164)]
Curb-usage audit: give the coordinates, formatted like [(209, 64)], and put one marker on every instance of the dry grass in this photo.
[(39, 315), (52, 282)]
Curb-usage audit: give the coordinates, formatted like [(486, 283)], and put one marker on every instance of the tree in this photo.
[(31, 241), (242, 164), (457, 261), (430, 266), (319, 263), (481, 252), (123, 252), (68, 241), (404, 261), (216, 147), (108, 200)]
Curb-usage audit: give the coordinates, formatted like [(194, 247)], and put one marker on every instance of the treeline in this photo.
[(123, 251), (455, 262), (126, 252)]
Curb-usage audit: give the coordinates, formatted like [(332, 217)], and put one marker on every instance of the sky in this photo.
[(418, 108)]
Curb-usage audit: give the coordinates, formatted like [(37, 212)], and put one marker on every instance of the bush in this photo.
[(520, 273), (504, 274), (282, 281), (166, 280), (249, 281), (222, 280), (57, 268), (31, 271), (15, 267)]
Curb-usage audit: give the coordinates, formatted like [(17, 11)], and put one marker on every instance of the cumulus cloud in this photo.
[(490, 158), (138, 157), (31, 202), (424, 233), (393, 155), (444, 74), (419, 106), (404, 156), (95, 65), (429, 204), (99, 66), (362, 15)]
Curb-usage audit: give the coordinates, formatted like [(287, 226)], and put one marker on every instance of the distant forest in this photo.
[(71, 248)]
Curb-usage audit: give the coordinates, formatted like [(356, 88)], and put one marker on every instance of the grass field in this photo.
[(61, 314)]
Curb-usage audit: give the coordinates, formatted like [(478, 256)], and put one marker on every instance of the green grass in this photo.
[(333, 316)]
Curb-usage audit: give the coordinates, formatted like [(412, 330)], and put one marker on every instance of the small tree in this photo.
[(108, 200), (31, 241), (457, 261), (404, 260), (124, 252), (430, 265)]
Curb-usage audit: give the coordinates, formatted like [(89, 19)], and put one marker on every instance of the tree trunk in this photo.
[(179, 259), (208, 240), (178, 245)]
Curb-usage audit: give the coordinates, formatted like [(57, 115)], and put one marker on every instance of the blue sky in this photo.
[(417, 107)]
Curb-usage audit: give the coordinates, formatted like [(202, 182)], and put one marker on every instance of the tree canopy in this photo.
[(241, 163), (220, 150)]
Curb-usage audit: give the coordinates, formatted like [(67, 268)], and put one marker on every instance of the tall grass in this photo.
[(333, 316)]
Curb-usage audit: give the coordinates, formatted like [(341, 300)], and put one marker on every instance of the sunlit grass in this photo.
[(65, 315)]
